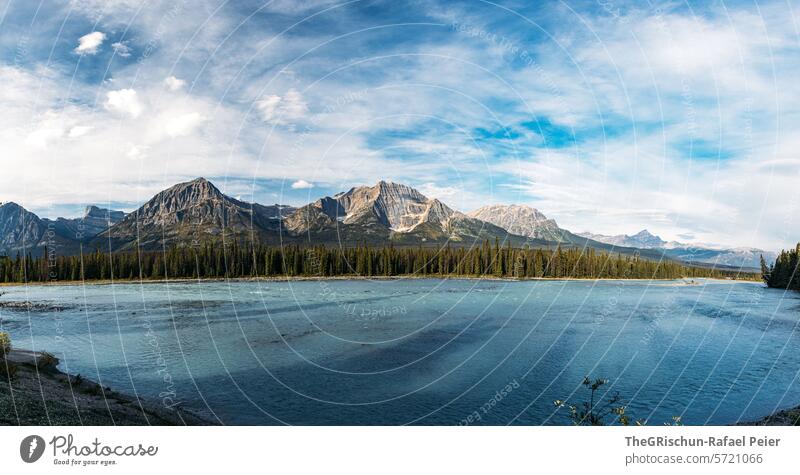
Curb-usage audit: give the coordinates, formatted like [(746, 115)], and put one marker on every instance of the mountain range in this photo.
[(22, 231), (386, 213), (691, 253)]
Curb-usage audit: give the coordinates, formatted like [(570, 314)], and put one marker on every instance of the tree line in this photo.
[(784, 273), (236, 260)]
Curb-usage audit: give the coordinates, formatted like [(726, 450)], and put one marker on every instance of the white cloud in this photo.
[(268, 106), (136, 153), (124, 101), (121, 48), (302, 185), (183, 124), (90, 43), (43, 136), (78, 131), (174, 84), (282, 110), (432, 190)]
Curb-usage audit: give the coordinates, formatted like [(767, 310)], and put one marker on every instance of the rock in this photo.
[(521, 220)]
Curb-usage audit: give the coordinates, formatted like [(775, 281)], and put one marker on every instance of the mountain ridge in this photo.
[(692, 253), (196, 211)]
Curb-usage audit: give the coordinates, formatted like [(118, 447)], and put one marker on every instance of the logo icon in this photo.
[(31, 448)]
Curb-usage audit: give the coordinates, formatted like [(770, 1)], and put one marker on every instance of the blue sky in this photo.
[(611, 117)]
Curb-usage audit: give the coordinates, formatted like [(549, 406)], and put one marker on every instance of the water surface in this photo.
[(425, 351)]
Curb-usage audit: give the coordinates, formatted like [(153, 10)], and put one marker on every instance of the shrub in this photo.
[(5, 343), (595, 411), (7, 370), (46, 360)]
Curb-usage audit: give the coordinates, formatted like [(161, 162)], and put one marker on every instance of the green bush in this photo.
[(5, 343)]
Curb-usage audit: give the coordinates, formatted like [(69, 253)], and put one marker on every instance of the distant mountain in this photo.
[(521, 220), (530, 223), (736, 257), (93, 222), (695, 253), (22, 231), (192, 212), (388, 212), (642, 240)]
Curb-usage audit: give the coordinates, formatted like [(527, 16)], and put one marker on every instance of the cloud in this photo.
[(90, 43), (136, 153), (302, 185), (662, 133), (124, 101), (174, 84), (78, 131), (268, 106), (183, 124), (282, 110), (432, 190), (121, 48)]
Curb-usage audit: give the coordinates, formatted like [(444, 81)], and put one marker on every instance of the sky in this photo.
[(611, 117)]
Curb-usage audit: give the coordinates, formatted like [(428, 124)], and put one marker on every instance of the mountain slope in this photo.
[(20, 230), (520, 220), (190, 213), (389, 212), (93, 222), (23, 232)]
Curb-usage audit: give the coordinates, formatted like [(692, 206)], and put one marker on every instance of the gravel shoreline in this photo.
[(38, 393)]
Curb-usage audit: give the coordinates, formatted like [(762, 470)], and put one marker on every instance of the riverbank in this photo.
[(786, 417), (311, 278), (38, 393)]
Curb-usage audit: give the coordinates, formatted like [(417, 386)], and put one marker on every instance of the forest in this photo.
[(240, 261), (783, 274)]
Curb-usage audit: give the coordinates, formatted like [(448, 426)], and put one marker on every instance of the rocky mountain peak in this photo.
[(20, 230), (194, 211), (645, 239), (198, 202), (10, 206), (398, 207), (521, 220), (96, 213)]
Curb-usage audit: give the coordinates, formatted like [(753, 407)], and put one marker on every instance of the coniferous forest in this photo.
[(240, 261), (784, 274)]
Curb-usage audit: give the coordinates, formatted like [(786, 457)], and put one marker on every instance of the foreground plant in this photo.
[(7, 369), (595, 411), (5, 343)]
